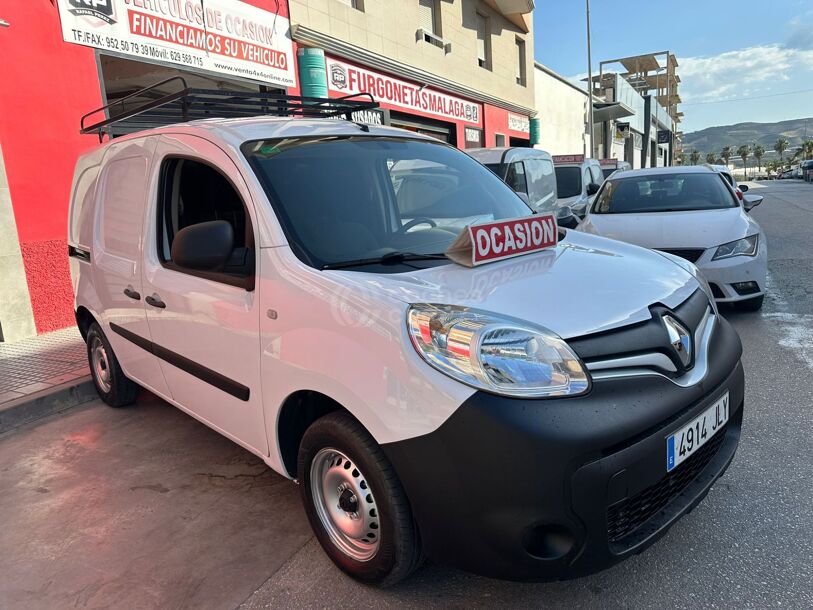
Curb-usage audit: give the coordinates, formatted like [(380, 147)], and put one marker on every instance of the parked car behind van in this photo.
[(577, 181), (529, 171), (693, 213), (530, 416)]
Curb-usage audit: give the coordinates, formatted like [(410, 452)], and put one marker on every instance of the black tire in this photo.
[(116, 390), (399, 551), (754, 304)]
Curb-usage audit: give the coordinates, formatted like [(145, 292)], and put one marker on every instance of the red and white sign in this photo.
[(223, 36), (561, 159), (495, 241), (346, 78), (608, 162)]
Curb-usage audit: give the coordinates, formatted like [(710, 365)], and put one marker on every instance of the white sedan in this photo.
[(692, 213)]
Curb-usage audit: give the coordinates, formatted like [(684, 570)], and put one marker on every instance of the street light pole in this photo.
[(590, 84)]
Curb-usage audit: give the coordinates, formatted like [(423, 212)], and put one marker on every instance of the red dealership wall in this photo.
[(47, 85)]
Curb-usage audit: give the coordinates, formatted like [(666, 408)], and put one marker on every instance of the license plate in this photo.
[(686, 441)]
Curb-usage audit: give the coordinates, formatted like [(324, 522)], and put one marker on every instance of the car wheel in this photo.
[(111, 384), (751, 304), (355, 502)]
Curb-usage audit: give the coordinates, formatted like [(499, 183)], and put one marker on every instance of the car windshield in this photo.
[(568, 182), (345, 200), (664, 193)]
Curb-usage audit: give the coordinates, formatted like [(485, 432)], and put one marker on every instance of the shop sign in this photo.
[(474, 137), (495, 241), (560, 159), (664, 136), (223, 36), (608, 163), (517, 122), (345, 79), (374, 116)]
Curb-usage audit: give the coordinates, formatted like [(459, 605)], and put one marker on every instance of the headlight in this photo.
[(742, 247), (495, 354)]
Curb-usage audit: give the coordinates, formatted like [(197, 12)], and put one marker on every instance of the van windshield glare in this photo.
[(353, 198)]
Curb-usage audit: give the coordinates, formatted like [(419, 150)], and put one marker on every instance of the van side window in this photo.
[(515, 177), (541, 181), (191, 193)]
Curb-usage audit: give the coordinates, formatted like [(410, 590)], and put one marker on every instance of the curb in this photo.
[(35, 406)]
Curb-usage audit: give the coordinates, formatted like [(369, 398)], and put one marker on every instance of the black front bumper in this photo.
[(559, 488)]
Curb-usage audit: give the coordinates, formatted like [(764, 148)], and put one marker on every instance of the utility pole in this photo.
[(590, 84)]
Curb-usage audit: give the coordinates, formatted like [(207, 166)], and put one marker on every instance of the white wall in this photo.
[(562, 109)]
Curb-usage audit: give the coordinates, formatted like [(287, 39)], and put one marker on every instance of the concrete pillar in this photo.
[(16, 315)]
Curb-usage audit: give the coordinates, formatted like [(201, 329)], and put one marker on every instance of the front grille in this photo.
[(630, 514), (690, 254)]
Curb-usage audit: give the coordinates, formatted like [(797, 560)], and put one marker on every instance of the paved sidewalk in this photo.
[(37, 364)]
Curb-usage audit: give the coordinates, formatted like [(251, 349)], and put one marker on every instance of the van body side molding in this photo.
[(211, 377)]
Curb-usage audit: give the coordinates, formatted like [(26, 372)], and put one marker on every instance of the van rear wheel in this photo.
[(355, 503), (111, 384)]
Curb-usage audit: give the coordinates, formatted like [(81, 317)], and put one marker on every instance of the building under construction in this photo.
[(639, 117)]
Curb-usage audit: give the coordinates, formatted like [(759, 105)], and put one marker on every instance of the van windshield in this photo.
[(343, 201), (568, 181)]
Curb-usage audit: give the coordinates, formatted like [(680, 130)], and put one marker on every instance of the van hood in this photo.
[(693, 229), (586, 284)]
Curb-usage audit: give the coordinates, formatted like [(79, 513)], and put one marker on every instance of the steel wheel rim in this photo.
[(337, 487), (100, 364)]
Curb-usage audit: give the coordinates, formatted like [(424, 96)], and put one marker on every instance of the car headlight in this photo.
[(495, 354), (746, 246)]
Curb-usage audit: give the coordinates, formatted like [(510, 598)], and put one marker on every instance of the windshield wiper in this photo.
[(391, 258)]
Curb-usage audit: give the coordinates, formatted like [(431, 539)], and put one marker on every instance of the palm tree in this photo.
[(781, 146), (711, 158), (807, 147), (759, 152), (743, 152), (726, 154), (694, 158), (680, 158)]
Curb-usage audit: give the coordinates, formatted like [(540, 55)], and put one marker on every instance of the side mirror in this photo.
[(592, 189), (205, 246), (566, 218), (752, 201), (743, 188)]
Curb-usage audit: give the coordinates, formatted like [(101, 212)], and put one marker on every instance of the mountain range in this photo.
[(713, 139)]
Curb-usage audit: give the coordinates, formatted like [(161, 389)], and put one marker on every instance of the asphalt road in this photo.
[(145, 507)]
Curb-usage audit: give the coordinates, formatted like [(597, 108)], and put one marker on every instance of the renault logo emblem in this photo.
[(680, 339)]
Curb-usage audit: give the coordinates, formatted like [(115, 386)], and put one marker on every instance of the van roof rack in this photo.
[(188, 104)]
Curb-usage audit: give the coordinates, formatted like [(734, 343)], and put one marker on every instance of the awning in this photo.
[(610, 111)]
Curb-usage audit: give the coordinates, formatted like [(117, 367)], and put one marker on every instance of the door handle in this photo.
[(156, 301), (132, 293)]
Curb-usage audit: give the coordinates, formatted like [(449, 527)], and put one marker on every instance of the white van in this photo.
[(529, 171), (531, 417), (577, 181)]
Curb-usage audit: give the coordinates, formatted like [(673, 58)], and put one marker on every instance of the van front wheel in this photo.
[(111, 384), (355, 503)]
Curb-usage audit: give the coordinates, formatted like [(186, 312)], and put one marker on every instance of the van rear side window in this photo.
[(192, 193)]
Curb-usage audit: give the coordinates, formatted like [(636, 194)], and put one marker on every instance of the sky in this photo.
[(733, 53)]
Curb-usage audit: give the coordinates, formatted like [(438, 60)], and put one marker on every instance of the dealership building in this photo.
[(461, 71)]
